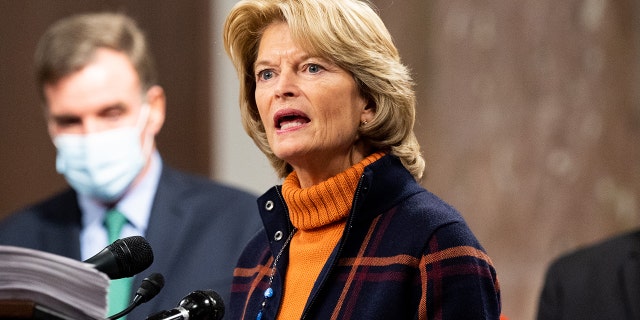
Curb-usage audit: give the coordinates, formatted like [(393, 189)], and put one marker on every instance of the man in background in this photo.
[(103, 108), (599, 281)]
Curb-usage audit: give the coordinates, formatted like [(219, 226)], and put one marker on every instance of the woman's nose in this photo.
[(286, 85)]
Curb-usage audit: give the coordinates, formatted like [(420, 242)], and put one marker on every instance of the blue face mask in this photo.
[(103, 164)]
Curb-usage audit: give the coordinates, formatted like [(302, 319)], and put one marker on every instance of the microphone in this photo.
[(149, 288), (198, 305), (123, 258)]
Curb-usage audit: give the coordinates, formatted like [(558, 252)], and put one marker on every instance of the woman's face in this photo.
[(310, 107)]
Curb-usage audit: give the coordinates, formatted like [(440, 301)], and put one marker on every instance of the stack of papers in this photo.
[(64, 287)]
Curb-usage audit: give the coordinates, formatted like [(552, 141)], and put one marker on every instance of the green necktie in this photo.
[(119, 290)]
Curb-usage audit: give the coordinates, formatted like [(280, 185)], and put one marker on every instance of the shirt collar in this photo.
[(135, 205)]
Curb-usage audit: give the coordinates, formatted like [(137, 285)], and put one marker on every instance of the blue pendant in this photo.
[(259, 315), (268, 293)]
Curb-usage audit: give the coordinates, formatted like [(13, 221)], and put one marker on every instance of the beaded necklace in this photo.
[(268, 293)]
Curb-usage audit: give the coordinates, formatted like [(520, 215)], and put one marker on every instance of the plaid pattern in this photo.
[(405, 254)]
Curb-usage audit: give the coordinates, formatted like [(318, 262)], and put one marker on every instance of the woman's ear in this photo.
[(368, 112)]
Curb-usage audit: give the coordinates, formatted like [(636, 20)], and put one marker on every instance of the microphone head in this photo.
[(203, 305), (133, 255), (150, 287)]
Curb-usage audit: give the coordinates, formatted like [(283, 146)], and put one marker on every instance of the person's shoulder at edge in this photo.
[(605, 249)]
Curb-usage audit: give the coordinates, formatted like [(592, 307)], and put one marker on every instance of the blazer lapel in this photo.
[(165, 230), (166, 222), (64, 221)]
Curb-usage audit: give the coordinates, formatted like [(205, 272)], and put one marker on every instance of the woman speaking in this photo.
[(350, 233)]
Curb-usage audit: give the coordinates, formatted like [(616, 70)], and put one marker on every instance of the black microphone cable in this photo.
[(149, 288)]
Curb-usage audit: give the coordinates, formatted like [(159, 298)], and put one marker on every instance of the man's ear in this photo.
[(157, 105)]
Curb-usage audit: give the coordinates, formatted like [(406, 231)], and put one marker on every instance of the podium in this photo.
[(25, 309)]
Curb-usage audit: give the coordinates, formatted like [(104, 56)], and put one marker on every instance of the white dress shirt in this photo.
[(135, 205)]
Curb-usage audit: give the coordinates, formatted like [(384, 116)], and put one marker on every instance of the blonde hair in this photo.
[(352, 35)]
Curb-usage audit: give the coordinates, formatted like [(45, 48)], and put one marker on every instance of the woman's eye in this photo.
[(265, 75), (314, 68)]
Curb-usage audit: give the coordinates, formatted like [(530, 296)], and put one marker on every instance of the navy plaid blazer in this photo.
[(404, 254)]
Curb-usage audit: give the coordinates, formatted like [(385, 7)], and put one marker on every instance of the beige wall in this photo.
[(529, 115)]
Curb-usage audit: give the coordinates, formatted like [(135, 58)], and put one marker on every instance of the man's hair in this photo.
[(352, 35), (70, 44)]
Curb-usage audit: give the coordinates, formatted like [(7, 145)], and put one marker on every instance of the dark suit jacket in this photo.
[(601, 281), (197, 230)]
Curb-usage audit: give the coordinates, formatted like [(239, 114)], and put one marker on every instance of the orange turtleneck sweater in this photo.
[(319, 213)]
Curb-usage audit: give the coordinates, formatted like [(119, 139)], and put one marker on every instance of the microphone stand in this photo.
[(149, 288)]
